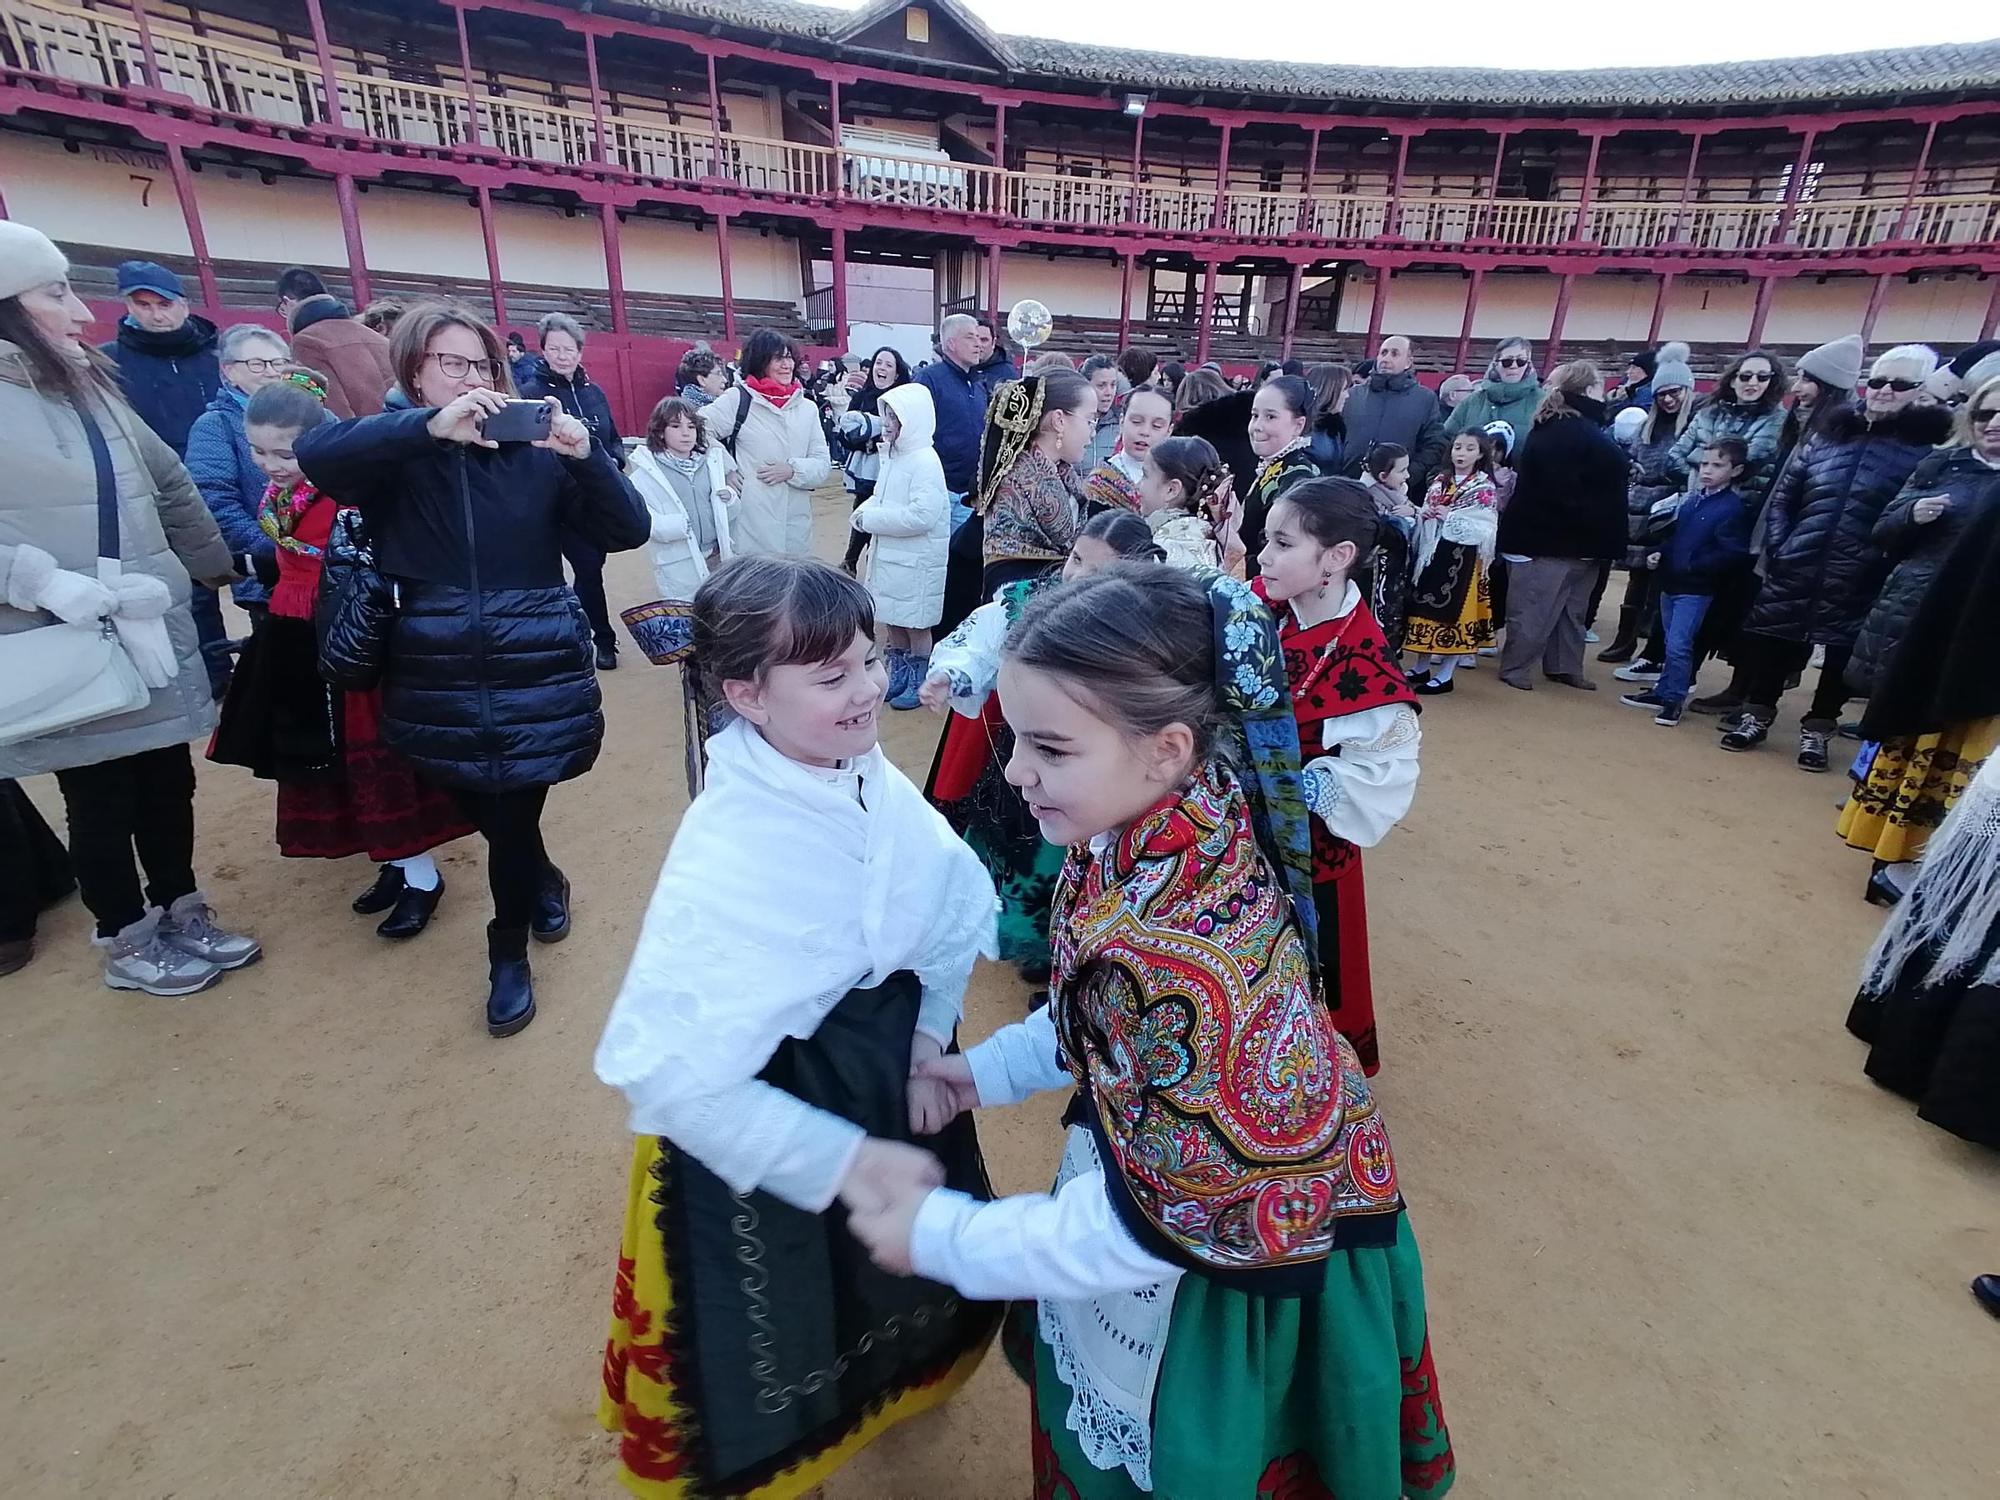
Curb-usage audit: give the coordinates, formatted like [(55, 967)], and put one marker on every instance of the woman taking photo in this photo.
[(1030, 493), (219, 460), (771, 429), (487, 688), (127, 779), (860, 430), (1565, 520)]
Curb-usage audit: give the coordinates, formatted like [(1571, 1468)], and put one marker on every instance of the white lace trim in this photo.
[(1107, 1350)]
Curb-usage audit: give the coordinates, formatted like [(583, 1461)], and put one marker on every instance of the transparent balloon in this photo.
[(1029, 323)]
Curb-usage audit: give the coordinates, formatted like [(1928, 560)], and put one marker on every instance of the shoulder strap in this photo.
[(742, 411), (107, 485)]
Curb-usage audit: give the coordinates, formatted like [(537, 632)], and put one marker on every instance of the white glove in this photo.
[(141, 596), (152, 650), (35, 582)]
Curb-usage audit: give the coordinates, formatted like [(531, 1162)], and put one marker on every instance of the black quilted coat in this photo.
[(1822, 564), (1916, 552), (490, 684)]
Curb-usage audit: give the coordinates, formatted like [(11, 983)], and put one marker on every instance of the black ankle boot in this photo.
[(510, 1003), (1626, 641), (383, 893), (552, 907), (413, 910)]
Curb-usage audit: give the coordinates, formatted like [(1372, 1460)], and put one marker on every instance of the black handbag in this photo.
[(355, 609)]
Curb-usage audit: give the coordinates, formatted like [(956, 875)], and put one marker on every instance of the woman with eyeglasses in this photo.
[(1510, 392), (1823, 566), (1912, 779), (489, 687), (221, 464)]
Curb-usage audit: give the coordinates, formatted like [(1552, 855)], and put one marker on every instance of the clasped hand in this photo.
[(882, 1192)]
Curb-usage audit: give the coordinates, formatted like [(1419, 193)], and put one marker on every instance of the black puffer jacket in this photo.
[(1916, 552), (1822, 565), (1655, 478), (1225, 422), (582, 398), (489, 685), (1569, 489)]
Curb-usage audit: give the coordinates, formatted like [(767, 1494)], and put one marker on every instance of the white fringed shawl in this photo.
[(1954, 902)]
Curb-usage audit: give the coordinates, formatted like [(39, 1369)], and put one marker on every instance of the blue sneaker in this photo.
[(919, 667)]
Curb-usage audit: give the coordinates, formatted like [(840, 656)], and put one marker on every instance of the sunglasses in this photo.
[(1883, 382), (1981, 415), (1760, 376), (1512, 364)]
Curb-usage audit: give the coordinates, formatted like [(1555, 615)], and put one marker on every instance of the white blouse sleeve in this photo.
[(970, 657), (1019, 1061), (1365, 790), (1057, 1245), (751, 1135)]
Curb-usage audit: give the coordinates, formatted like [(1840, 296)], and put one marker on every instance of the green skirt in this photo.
[(1275, 1398)]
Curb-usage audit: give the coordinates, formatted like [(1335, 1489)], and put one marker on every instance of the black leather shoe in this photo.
[(551, 923), (1881, 890), (510, 999), (383, 894), (413, 909), (607, 658), (1987, 1290)]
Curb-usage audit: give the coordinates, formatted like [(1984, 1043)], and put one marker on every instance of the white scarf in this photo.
[(781, 893)]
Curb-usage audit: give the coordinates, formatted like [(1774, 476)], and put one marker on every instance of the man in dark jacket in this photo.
[(959, 396), (164, 353), (353, 357), (992, 364), (1394, 407)]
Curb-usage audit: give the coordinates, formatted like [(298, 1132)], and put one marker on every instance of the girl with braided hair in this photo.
[(1184, 480), (341, 790)]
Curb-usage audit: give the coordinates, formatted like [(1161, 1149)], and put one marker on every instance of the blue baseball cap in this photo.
[(149, 276)]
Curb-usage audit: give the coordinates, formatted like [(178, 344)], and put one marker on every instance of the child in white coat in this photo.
[(684, 479), (909, 517)]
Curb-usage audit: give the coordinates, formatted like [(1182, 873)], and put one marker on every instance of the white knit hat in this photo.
[(28, 259)]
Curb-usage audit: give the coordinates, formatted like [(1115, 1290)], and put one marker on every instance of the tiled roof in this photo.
[(1850, 77)]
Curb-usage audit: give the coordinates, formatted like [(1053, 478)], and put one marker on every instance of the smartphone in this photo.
[(518, 422)]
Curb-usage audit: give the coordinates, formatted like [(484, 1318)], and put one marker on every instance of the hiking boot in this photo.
[(140, 958), (1724, 702), (1751, 731), (1644, 669), (1812, 750), (189, 925)]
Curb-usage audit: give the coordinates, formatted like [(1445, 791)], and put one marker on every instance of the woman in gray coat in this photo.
[(127, 781)]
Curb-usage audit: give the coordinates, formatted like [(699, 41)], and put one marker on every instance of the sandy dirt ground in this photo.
[(314, 1234)]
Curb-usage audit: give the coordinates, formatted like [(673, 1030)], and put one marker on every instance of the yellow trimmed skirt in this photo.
[(1470, 626), (1911, 784), (637, 1400)]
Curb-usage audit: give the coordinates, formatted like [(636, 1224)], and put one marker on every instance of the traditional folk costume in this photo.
[(341, 789), (1113, 485), (1229, 1301), (1386, 579), (1290, 465), (1358, 733), (1186, 539), (1031, 503), (806, 925), (1451, 602), (1929, 1003)]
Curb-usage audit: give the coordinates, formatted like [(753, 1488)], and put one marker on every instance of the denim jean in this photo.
[(1680, 618)]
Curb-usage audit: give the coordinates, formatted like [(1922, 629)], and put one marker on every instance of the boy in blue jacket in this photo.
[(1710, 540)]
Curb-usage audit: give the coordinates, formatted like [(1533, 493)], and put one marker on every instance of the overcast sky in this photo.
[(1471, 33)]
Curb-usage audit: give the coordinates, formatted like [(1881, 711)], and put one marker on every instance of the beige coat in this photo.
[(49, 500), (771, 517)]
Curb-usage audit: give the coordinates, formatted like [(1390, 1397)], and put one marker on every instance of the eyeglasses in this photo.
[(261, 366), (1760, 376), (1512, 362), (1883, 382), (457, 366)]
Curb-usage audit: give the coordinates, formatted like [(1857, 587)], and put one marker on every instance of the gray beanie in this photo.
[(1672, 369), (1983, 371), (28, 259), (1837, 365)]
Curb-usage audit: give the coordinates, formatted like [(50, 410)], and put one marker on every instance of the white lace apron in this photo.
[(1107, 1351)]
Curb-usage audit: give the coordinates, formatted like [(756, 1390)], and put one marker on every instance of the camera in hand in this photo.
[(518, 422)]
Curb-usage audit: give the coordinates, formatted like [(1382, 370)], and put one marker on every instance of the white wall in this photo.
[(1067, 284), (95, 197), (911, 340)]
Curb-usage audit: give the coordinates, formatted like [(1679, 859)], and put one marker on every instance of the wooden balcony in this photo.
[(102, 48)]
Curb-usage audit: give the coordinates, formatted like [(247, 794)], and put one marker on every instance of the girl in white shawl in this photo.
[(808, 944), (1451, 602)]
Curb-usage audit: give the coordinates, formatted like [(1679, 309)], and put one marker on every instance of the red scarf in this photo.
[(771, 391)]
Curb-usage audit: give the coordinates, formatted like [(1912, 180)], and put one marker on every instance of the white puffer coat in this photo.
[(909, 515), (678, 566)]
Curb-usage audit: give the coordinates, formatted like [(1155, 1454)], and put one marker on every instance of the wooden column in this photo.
[(1687, 192), (149, 62), (1493, 187), (614, 267), (1221, 180), (350, 231), (1124, 301), (1305, 212), (1767, 287), (1589, 190), (471, 94), (329, 80), (204, 267), (1877, 295), (1659, 309), (728, 290), (1377, 310), (494, 281), (715, 125), (1000, 136), (1293, 283), (1204, 313), (596, 91), (837, 260), (1916, 180), (1992, 318), (1790, 211), (993, 288), (1472, 289), (1561, 317), (833, 119), (1394, 224)]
